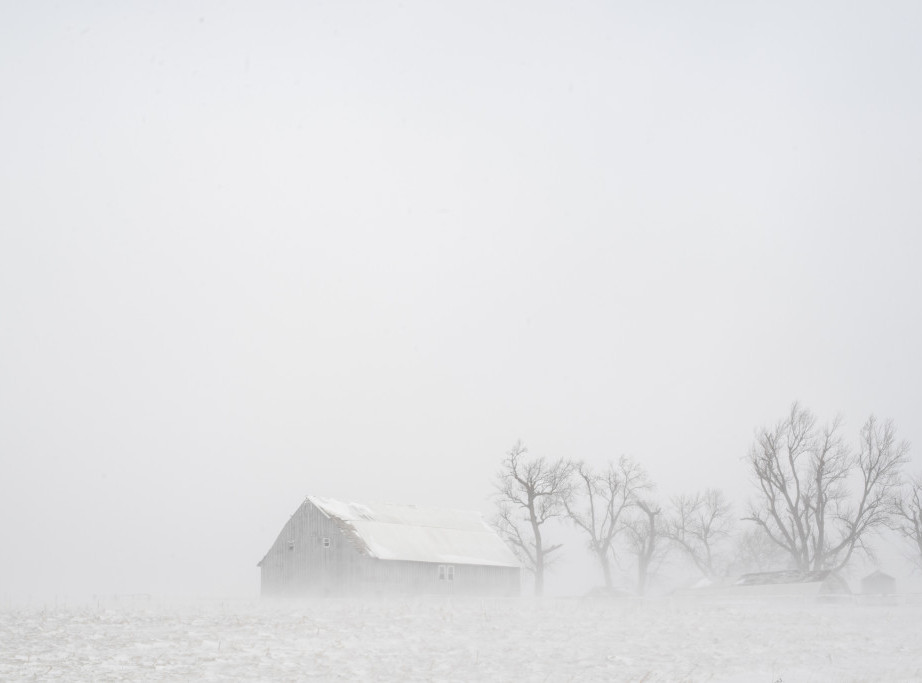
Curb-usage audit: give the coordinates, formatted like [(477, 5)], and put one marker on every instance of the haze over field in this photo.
[(357, 250)]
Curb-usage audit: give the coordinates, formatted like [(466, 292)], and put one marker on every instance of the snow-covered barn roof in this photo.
[(406, 532)]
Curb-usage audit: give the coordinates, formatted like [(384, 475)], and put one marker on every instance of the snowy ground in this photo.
[(464, 640)]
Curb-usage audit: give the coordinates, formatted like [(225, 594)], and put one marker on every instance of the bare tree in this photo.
[(818, 499), (643, 539), (598, 501), (698, 525), (754, 551), (529, 493), (906, 515)]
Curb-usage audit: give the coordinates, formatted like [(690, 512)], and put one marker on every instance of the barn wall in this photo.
[(299, 564), (389, 576)]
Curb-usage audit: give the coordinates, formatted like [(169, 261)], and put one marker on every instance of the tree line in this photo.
[(816, 502)]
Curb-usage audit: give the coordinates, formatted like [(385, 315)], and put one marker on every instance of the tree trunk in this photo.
[(539, 577), (606, 568), (539, 549)]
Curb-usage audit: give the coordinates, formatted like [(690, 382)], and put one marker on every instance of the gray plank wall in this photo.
[(299, 564)]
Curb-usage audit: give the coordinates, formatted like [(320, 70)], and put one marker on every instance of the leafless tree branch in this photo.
[(529, 492), (597, 503), (819, 499), (699, 524), (906, 515)]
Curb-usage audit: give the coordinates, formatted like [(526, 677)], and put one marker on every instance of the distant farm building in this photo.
[(330, 547), (793, 583), (878, 583), (783, 584)]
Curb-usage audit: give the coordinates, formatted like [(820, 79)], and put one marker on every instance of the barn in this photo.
[(330, 547)]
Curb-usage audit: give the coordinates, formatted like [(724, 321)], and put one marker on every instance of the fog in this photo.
[(357, 250), (482, 640)]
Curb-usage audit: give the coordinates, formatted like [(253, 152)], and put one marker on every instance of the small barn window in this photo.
[(451, 572), (446, 572), (325, 542), (291, 544)]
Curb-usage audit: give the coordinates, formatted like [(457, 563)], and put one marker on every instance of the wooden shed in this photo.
[(792, 583), (878, 583), (330, 547)]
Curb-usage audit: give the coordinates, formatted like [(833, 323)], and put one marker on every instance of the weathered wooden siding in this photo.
[(423, 577), (299, 564)]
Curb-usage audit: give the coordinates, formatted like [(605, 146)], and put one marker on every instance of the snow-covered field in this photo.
[(463, 640)]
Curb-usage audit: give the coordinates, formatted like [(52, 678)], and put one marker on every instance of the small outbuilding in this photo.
[(794, 583), (330, 547), (878, 583), (790, 583)]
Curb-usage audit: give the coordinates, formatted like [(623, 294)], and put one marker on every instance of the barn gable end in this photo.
[(329, 547)]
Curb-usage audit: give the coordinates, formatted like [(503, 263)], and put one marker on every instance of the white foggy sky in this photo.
[(250, 252)]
